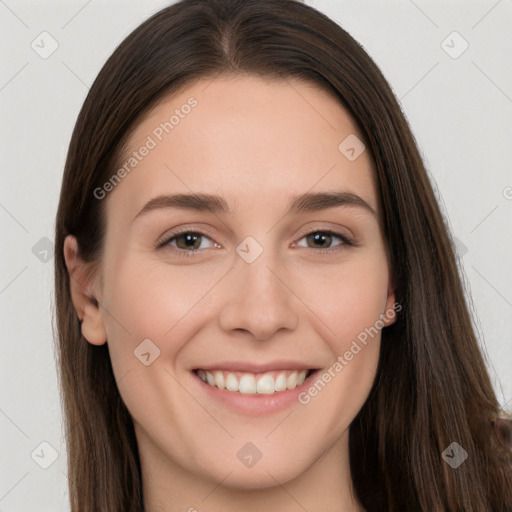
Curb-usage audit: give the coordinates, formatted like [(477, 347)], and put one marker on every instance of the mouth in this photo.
[(250, 383)]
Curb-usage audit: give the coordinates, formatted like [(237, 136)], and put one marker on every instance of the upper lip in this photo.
[(244, 366)]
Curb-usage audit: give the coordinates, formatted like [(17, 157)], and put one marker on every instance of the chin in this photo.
[(254, 479)]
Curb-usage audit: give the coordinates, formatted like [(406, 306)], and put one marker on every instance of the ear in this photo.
[(83, 294), (392, 308)]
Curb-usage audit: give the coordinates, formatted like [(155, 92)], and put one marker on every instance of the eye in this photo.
[(325, 237), (189, 242)]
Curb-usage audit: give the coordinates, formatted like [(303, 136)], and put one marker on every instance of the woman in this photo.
[(255, 370)]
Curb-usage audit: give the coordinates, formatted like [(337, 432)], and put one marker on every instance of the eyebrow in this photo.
[(308, 202)]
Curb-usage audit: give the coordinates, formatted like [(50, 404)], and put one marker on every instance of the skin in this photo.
[(256, 143)]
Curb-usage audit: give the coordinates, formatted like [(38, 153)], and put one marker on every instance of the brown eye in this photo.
[(320, 238), (323, 240), (185, 242), (190, 241)]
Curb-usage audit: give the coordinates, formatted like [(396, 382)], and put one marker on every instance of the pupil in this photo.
[(190, 239), (319, 237)]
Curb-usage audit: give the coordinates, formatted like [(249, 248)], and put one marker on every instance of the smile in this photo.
[(248, 383)]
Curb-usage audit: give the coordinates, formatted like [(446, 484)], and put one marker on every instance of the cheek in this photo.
[(148, 299), (350, 306), (348, 300)]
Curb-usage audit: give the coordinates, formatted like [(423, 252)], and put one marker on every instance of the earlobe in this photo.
[(93, 329), (82, 294), (391, 311)]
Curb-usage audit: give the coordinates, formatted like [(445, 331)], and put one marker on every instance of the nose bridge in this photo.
[(257, 299)]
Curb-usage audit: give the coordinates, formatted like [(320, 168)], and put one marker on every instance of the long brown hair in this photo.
[(432, 387)]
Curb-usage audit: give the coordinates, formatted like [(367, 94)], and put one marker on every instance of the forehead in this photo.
[(246, 138)]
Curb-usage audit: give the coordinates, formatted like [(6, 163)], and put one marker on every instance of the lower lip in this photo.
[(254, 405)]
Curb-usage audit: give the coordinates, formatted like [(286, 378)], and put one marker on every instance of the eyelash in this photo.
[(181, 252)]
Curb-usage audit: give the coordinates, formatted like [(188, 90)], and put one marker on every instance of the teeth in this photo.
[(291, 381), (265, 385), (231, 382), (250, 383), (219, 379), (280, 384), (301, 377)]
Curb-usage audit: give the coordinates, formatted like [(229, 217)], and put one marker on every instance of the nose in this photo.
[(258, 299)]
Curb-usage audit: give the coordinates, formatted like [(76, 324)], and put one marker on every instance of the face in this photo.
[(251, 290)]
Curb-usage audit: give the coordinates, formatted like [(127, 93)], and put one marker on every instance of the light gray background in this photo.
[(460, 110)]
